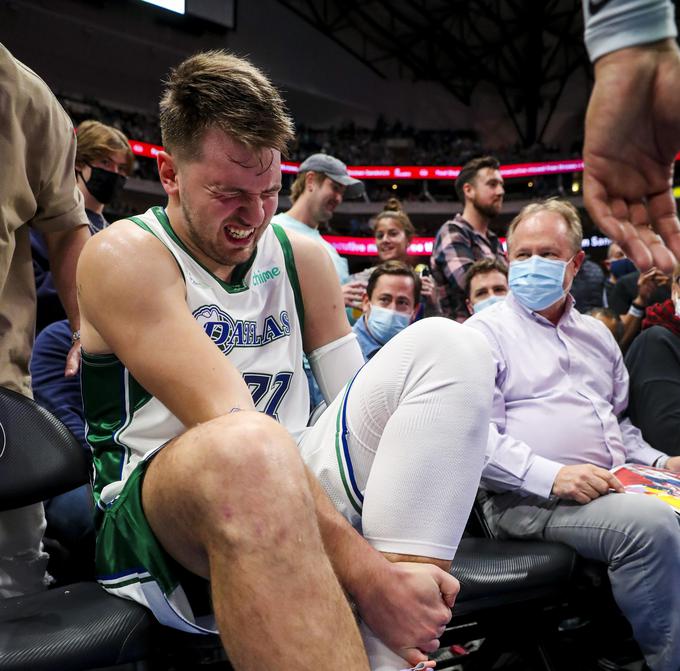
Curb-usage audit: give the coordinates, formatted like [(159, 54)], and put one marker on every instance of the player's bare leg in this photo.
[(230, 501)]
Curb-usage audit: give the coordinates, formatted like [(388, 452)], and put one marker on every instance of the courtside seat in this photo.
[(513, 594), (74, 627), (494, 573), (68, 628)]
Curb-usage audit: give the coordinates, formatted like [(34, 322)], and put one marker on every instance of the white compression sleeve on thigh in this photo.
[(335, 363), (618, 24), (418, 419)]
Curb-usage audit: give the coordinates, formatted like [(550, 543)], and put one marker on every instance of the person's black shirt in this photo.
[(626, 290), (653, 362)]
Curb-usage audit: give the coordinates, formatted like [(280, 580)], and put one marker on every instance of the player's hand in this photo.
[(632, 135), (673, 464), (73, 360), (353, 293), (584, 483), (407, 605)]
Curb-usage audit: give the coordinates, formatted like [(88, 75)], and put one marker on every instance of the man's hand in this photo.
[(408, 606), (352, 293), (632, 136), (73, 360), (673, 464), (584, 483)]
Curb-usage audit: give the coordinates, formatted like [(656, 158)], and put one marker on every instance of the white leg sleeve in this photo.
[(401, 453), (418, 416)]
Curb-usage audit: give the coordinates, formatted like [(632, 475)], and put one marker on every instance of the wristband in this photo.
[(75, 336), (616, 24), (636, 312), (661, 461)]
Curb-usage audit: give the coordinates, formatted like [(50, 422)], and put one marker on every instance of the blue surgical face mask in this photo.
[(384, 324), (487, 303), (621, 267), (537, 282)]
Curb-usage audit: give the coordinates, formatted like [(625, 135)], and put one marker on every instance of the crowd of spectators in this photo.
[(388, 143), (398, 144)]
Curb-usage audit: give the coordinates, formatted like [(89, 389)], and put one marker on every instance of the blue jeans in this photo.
[(70, 516), (637, 536)]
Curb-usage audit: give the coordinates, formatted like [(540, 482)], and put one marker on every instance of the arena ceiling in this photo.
[(525, 50)]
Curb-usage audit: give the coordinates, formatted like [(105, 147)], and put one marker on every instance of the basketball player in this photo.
[(202, 322)]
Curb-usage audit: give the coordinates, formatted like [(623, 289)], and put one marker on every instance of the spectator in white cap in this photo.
[(320, 186)]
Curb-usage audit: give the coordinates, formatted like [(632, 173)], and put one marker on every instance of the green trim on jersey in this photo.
[(289, 258), (111, 397), (237, 284), (144, 226)]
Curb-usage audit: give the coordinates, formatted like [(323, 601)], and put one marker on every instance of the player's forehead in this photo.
[(229, 164)]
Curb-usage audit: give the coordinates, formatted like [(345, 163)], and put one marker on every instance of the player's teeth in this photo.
[(240, 234)]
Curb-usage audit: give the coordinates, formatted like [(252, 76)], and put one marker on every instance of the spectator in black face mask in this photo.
[(103, 161)]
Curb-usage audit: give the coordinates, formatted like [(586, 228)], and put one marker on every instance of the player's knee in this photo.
[(448, 343), (250, 449), (254, 465)]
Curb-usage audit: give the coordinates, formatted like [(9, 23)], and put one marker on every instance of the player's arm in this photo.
[(328, 340), (132, 302)]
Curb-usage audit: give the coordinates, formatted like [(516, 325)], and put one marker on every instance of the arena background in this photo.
[(399, 83)]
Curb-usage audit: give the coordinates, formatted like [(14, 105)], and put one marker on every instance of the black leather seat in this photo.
[(68, 628), (74, 627), (494, 573), (513, 595)]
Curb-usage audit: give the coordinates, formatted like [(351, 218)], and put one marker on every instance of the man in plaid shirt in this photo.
[(466, 238)]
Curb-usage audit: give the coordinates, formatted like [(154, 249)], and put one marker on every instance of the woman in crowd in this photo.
[(393, 232)]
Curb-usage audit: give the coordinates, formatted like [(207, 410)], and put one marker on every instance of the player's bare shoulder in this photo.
[(123, 253), (125, 270)]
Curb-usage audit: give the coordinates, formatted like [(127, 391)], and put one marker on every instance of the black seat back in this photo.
[(39, 456)]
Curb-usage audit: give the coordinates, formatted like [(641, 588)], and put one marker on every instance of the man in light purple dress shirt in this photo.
[(561, 388)]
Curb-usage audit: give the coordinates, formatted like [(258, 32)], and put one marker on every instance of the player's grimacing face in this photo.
[(228, 197)]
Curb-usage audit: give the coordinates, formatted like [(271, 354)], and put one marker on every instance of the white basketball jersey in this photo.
[(255, 320)]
